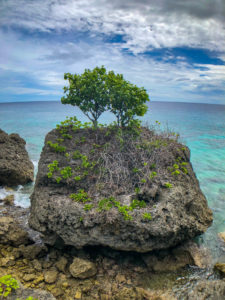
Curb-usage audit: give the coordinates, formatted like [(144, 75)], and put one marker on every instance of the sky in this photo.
[(173, 48)]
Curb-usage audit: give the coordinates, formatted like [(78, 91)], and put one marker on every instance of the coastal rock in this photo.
[(24, 293), (15, 165), (82, 268), (51, 275), (9, 200), (212, 290), (220, 267), (90, 163), (221, 235), (11, 233)]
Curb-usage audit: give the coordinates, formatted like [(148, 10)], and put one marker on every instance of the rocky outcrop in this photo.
[(157, 202), (15, 165), (47, 272)]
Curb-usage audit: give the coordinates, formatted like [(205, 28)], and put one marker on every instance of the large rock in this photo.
[(149, 168), (15, 165)]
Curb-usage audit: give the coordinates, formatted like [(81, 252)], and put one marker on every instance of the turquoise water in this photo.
[(201, 127)]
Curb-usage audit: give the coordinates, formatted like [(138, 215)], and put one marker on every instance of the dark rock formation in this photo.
[(152, 169), (15, 165)]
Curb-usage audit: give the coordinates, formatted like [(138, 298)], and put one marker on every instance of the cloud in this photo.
[(145, 25), (41, 40), (38, 68)]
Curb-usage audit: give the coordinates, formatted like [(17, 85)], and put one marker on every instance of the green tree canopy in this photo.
[(88, 91), (126, 99), (96, 91)]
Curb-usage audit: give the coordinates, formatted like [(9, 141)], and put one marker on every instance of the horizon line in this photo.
[(46, 101)]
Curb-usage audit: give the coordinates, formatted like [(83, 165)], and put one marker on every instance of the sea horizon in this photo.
[(151, 101)]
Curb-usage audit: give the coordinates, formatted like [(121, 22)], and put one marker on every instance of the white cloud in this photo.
[(144, 24), (46, 64)]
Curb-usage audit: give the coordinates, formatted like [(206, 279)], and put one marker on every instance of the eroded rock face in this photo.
[(15, 165), (82, 268), (212, 290), (11, 233), (24, 293), (177, 206)]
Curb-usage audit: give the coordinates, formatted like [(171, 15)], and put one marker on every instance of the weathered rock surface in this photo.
[(220, 267), (82, 268), (210, 290), (179, 212), (221, 235), (24, 293), (15, 165), (11, 233), (8, 200)]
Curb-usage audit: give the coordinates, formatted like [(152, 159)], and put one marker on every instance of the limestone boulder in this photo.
[(12, 233), (82, 268), (15, 165), (95, 187)]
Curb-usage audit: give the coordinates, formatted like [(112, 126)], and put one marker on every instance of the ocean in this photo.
[(201, 128)]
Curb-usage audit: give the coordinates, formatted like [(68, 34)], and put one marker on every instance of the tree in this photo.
[(88, 91), (126, 99), (96, 91)]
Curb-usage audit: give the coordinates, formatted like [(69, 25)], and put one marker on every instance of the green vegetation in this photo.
[(147, 216), (52, 168), (81, 196), (56, 147), (88, 207), (88, 91), (108, 203), (152, 175), (7, 285), (66, 172), (97, 90), (177, 168), (126, 99), (168, 185)]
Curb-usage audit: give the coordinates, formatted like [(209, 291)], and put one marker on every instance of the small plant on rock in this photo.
[(7, 285), (81, 196)]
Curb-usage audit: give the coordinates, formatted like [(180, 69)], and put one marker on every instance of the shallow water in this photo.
[(201, 127)]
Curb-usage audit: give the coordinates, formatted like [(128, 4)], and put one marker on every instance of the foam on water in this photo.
[(21, 194)]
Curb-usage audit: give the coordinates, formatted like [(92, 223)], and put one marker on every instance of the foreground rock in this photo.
[(81, 268), (11, 233), (15, 165), (95, 165), (24, 293)]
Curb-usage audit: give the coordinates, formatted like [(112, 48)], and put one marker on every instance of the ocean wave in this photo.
[(21, 194)]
